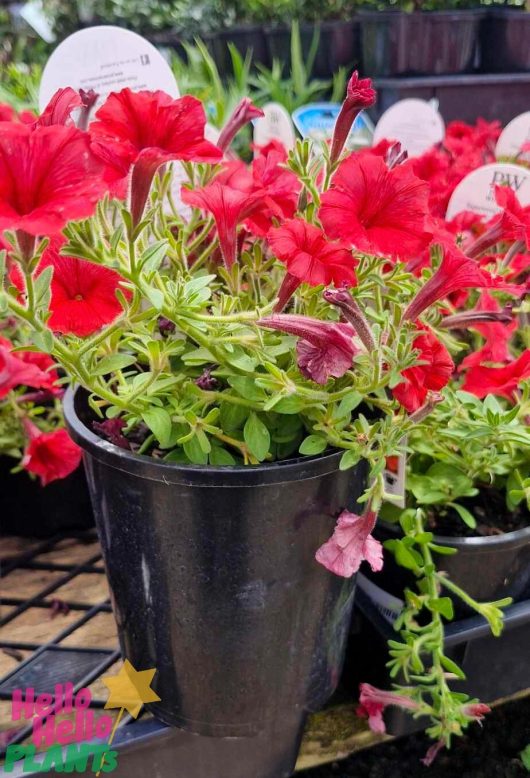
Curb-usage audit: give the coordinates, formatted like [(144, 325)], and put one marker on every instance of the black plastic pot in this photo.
[(245, 39), (339, 45), (495, 668), (487, 568), (419, 43), (215, 584), (31, 510), (505, 41)]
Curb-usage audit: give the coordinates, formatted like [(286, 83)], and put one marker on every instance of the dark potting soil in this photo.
[(490, 511), (490, 751)]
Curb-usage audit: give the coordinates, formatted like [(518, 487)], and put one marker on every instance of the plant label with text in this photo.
[(106, 59), (476, 192), (415, 123)]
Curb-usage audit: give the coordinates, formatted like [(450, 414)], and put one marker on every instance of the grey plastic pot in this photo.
[(214, 582), (487, 568)]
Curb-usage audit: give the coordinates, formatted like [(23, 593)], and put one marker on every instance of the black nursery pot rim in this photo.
[(478, 542), (296, 469)]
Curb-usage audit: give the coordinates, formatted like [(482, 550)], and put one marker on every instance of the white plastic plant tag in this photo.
[(106, 59), (415, 123), (476, 192), (275, 125), (33, 14), (512, 139), (394, 475), (388, 606)]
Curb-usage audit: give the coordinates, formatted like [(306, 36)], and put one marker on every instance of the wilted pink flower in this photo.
[(374, 701), (325, 349), (360, 94), (351, 544), (476, 710), (432, 753), (243, 113)]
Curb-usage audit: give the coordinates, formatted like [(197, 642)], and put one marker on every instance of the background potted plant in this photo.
[(42, 481), (419, 38)]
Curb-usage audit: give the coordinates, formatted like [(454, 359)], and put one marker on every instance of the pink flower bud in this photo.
[(359, 94), (243, 113)]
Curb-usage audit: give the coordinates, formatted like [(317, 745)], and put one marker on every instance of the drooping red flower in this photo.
[(497, 335), (229, 207), (359, 95), (18, 369), (310, 258), (50, 455), (83, 294), (48, 176), (148, 129), (374, 701), (350, 544), (456, 272), (513, 224), (432, 375), (501, 381), (244, 112), (59, 109), (377, 210), (324, 349)]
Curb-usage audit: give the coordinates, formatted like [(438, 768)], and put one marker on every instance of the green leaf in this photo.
[(403, 555), (42, 288), (466, 516), (232, 417), (155, 297), (349, 459), (113, 362), (257, 437), (43, 340), (291, 404), (349, 403), (159, 422), (443, 605), (194, 452), (452, 667), (151, 258), (220, 457), (246, 387), (312, 445), (443, 550)]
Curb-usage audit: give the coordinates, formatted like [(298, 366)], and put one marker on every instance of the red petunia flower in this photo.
[(48, 176), (433, 375), (501, 381), (324, 348), (310, 258), (456, 272), (513, 224), (377, 210), (59, 109), (229, 207), (148, 129), (19, 369), (351, 544), (359, 94), (83, 298), (50, 455)]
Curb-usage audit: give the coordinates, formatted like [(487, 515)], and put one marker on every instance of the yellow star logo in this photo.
[(130, 689)]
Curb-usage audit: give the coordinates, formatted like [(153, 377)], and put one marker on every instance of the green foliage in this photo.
[(467, 445), (419, 658)]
